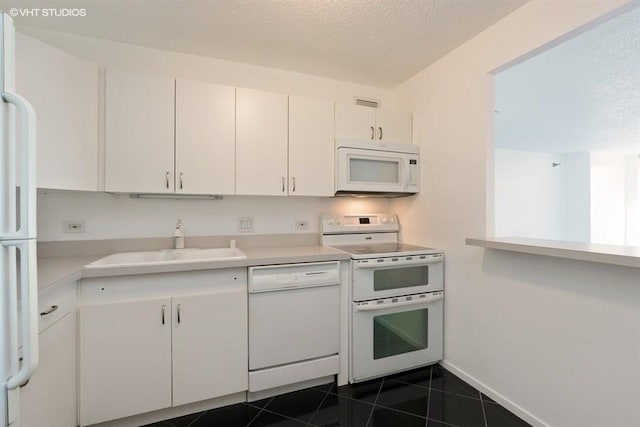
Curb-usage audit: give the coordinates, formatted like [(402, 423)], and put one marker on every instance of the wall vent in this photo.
[(367, 102)]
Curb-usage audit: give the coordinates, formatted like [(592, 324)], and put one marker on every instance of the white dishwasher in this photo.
[(294, 323)]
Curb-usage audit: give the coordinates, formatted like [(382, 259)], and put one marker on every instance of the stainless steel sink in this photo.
[(166, 256)]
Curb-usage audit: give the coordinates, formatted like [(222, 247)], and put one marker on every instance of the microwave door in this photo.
[(366, 171)]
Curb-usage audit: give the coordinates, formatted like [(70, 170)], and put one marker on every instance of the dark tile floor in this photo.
[(423, 397)]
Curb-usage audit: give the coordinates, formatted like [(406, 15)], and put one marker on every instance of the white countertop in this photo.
[(628, 256), (53, 270)]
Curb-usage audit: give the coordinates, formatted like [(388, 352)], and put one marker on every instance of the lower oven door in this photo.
[(395, 334)]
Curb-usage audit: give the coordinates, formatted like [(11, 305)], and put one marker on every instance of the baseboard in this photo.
[(502, 400), (179, 411)]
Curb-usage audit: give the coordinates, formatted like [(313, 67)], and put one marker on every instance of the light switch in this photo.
[(245, 224)]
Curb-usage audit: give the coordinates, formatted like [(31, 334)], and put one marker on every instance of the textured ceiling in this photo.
[(582, 95), (376, 42)]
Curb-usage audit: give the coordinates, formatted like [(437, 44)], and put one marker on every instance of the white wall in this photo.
[(577, 195), (556, 340), (110, 216), (608, 197), (529, 194), (632, 200), (536, 200)]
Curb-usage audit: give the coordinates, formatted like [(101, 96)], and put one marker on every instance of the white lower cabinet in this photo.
[(49, 399), (125, 359), (154, 341), (209, 345)]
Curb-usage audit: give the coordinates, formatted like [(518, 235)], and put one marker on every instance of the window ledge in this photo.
[(628, 256)]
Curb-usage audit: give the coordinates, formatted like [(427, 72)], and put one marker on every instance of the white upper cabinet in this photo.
[(139, 133), (393, 126), (142, 154), (311, 147), (63, 90), (205, 138), (261, 143), (357, 122)]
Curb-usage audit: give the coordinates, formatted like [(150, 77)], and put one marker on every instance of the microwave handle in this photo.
[(386, 305)]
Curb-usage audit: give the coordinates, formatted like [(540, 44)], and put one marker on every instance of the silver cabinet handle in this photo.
[(283, 184), (294, 184), (372, 132), (51, 310), (181, 180), (166, 177), (178, 313), (163, 314), (380, 129)]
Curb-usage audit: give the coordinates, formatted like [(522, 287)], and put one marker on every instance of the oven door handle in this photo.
[(373, 307), (382, 265)]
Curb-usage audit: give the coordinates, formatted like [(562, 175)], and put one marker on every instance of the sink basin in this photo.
[(167, 256)]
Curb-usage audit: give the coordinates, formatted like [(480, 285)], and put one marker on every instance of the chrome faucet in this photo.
[(178, 236)]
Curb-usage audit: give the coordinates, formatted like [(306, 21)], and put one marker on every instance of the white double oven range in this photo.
[(396, 295)]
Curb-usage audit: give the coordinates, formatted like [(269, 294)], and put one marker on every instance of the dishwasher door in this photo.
[(297, 317)]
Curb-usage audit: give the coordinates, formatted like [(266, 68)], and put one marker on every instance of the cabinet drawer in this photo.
[(53, 305)]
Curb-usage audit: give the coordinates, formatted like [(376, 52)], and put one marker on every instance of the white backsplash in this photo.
[(111, 216)]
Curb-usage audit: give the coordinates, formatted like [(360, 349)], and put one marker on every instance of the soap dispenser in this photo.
[(178, 235)]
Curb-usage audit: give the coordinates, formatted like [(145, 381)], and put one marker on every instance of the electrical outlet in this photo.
[(73, 227), (302, 224), (245, 224)]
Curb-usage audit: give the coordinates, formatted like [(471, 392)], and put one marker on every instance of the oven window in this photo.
[(395, 278), (375, 171), (400, 333)]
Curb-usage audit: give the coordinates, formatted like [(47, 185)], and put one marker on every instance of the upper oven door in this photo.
[(392, 276), (374, 171)]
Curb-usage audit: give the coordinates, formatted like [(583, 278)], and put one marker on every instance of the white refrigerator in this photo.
[(18, 281)]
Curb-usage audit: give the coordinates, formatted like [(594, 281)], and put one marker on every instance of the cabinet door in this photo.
[(63, 90), (125, 359), (139, 133), (261, 143), (205, 138), (355, 122), (311, 147), (49, 399), (210, 348), (393, 126)]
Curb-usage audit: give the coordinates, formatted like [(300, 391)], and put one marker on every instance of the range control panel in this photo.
[(368, 223)]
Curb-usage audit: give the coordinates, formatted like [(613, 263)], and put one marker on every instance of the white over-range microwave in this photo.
[(370, 168)]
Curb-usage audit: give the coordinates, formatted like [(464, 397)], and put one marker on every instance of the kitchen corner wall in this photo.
[(117, 216), (557, 341)]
